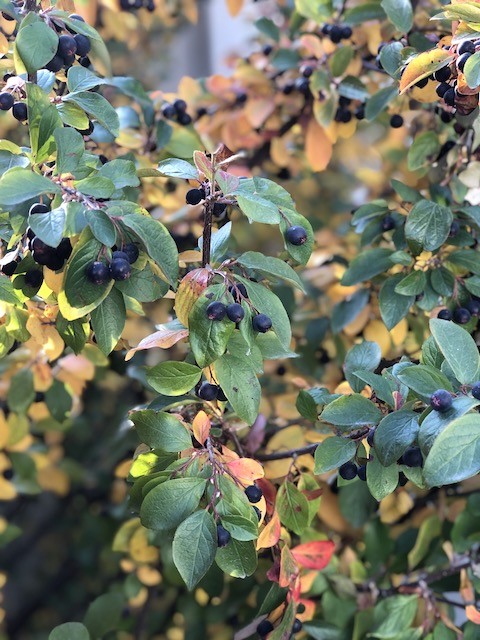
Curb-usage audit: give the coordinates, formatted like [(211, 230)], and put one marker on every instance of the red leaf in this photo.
[(314, 555)]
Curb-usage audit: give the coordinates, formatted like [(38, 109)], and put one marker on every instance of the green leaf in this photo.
[(351, 412), (353, 88), (435, 422), (108, 321), (367, 265), (428, 225), (332, 453), (82, 79), (21, 393), (365, 356), (208, 338), (430, 529), (466, 259), (169, 503), (425, 146), (176, 168), (237, 559), (392, 615), (238, 380), (340, 61), (391, 57), (412, 285), (95, 185), (7, 292), (70, 149), (50, 226), (381, 385), (194, 547), (346, 311), (69, 631), (395, 432), (173, 378), (97, 108), (240, 528), (79, 296), (400, 13), (121, 172), (380, 100), (102, 226), (393, 306), (306, 405), (143, 285), (104, 614), (36, 43), (158, 243), (471, 70), (381, 481), (301, 253), (292, 507), (19, 185), (406, 193), (43, 121), (284, 630), (161, 430), (270, 267), (443, 281), (363, 13), (424, 380), (459, 349), (74, 333), (455, 454)]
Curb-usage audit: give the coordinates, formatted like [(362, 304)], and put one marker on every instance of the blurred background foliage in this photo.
[(63, 484)]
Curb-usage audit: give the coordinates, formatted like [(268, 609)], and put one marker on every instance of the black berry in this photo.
[(371, 435), (19, 111), (207, 391), (238, 291), (466, 47), (449, 97), (443, 74), (219, 209), (346, 32), (348, 471), (34, 278), (402, 479), (442, 89), (83, 44), (120, 269), (64, 249), (261, 323), (184, 119), (335, 34), (98, 273), (454, 229), (441, 400), (296, 235), (132, 252), (264, 628), (422, 83), (194, 196), (38, 208), (462, 315), (55, 262), (445, 314), (476, 390), (180, 106), (223, 536), (362, 472), (388, 223), (6, 101), (258, 512), (235, 312), (168, 111), (9, 268), (462, 60), (119, 255), (412, 457), (253, 493), (216, 311), (55, 64), (396, 121), (67, 46), (297, 625), (473, 307)]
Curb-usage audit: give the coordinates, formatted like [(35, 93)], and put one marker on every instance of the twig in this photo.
[(290, 453)]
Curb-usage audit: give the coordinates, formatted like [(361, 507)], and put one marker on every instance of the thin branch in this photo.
[(290, 453)]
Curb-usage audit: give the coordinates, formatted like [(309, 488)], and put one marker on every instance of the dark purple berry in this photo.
[(473, 306), (346, 32), (64, 249), (132, 252), (38, 208), (207, 391), (219, 209), (388, 223), (454, 229), (180, 106), (20, 111), (55, 64), (413, 457), (442, 89), (239, 291), (422, 83), (34, 278), (55, 262), (297, 625), (9, 268), (348, 471), (362, 472), (443, 74), (6, 101), (195, 196), (168, 111), (466, 47), (461, 315), (441, 400), (83, 44), (476, 390), (449, 97), (67, 46), (296, 235), (120, 269), (223, 536), (462, 60), (261, 323), (402, 479), (253, 493), (396, 121), (445, 314), (235, 312), (335, 34), (371, 435), (216, 311), (98, 273), (184, 119), (264, 628), (119, 254)]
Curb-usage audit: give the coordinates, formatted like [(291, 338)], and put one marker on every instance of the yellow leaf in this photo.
[(245, 470), (423, 65), (201, 427), (164, 338), (189, 290), (318, 147), (270, 534), (234, 7)]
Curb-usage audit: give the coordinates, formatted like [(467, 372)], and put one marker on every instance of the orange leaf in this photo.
[(318, 147), (189, 290), (289, 569), (423, 65), (314, 555), (234, 7), (203, 164), (472, 614), (245, 470), (270, 534), (164, 338), (201, 427)]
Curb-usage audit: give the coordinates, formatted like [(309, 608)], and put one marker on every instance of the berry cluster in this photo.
[(217, 311), (7, 102), (337, 32), (462, 315), (265, 626), (99, 272), (134, 5), (177, 111), (53, 258), (69, 48)]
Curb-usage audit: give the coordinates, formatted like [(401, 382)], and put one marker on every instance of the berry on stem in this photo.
[(6, 101), (461, 315), (264, 628), (296, 235), (216, 311), (348, 471), (20, 111), (253, 493), (38, 208), (132, 252), (362, 472), (412, 457), (261, 323), (98, 273), (396, 121), (208, 391), (195, 196), (445, 314), (476, 390), (120, 269), (297, 625), (235, 312), (441, 400), (34, 278), (223, 536)]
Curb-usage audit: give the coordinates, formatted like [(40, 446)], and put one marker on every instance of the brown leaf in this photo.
[(189, 290), (164, 338)]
